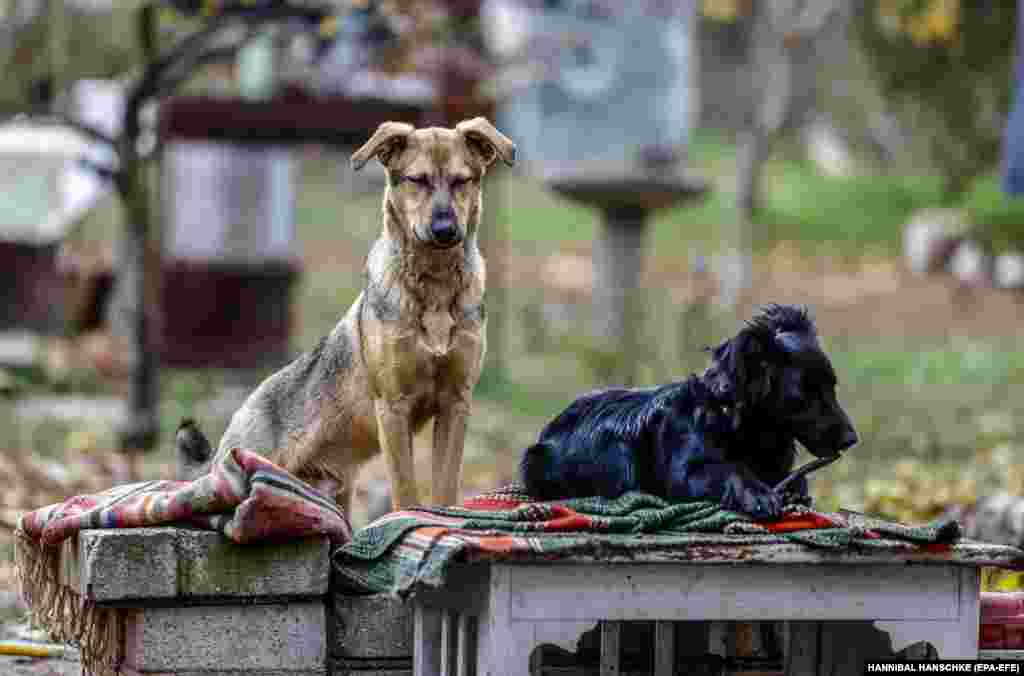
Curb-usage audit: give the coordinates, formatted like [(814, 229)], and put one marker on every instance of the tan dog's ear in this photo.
[(489, 143), (388, 138)]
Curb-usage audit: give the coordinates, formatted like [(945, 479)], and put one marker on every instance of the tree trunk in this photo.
[(493, 243), (752, 149), (781, 68)]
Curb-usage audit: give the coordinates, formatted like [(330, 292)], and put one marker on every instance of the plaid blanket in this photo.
[(244, 496), (404, 549)]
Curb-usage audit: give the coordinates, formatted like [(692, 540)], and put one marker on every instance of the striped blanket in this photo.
[(244, 496), (404, 549)]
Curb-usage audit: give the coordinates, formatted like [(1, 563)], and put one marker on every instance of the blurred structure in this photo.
[(35, 217), (49, 191), (599, 99), (230, 254)]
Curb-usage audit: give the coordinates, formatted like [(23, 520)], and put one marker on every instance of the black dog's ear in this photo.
[(741, 372), (791, 343)]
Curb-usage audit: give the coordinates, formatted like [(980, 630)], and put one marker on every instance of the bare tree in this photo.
[(781, 39)]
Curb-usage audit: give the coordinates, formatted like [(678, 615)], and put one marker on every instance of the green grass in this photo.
[(859, 213), (518, 398), (801, 205), (998, 219), (967, 365)]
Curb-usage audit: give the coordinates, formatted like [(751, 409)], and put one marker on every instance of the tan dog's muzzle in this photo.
[(444, 229)]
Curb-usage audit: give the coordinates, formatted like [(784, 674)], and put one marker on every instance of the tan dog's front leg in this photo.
[(395, 432), (449, 438)]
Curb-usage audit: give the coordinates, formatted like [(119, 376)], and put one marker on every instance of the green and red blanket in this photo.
[(407, 548), (244, 496)]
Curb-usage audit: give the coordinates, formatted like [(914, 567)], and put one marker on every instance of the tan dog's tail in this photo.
[(193, 449)]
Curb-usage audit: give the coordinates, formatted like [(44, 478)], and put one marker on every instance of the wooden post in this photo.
[(139, 431), (57, 44), (493, 238)]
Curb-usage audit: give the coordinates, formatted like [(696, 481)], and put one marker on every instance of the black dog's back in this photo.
[(600, 444)]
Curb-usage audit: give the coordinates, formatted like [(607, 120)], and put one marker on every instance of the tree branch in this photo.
[(65, 120)]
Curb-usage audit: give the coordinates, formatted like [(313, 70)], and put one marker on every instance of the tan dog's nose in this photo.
[(443, 228)]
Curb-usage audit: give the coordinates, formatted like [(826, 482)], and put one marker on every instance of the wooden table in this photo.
[(489, 616)]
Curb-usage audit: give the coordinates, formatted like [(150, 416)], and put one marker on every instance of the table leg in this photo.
[(448, 642), (505, 649), (611, 643), (466, 651), (427, 641), (664, 648), (803, 647), (722, 639)]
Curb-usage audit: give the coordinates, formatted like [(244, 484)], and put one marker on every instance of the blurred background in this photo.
[(178, 217)]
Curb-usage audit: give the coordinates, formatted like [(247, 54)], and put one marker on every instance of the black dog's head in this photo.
[(775, 367)]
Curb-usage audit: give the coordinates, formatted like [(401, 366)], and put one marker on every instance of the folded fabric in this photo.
[(244, 496), (404, 549)]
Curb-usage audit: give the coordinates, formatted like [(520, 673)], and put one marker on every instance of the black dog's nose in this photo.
[(442, 227), (847, 438)]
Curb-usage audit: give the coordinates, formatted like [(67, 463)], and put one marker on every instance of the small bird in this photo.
[(193, 448)]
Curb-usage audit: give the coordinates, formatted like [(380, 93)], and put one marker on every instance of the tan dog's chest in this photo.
[(425, 367)]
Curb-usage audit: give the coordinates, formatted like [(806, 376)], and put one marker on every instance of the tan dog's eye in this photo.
[(459, 181), (421, 180)]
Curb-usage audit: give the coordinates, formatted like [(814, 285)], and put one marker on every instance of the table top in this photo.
[(965, 553)]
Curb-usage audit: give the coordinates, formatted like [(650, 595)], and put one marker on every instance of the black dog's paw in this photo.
[(751, 499), (797, 486), (795, 498)]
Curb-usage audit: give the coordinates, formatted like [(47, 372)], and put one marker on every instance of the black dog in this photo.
[(726, 435)]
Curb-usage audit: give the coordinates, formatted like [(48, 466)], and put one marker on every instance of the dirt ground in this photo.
[(861, 298), (64, 665), (865, 298)]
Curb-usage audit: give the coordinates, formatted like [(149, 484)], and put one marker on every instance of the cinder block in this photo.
[(128, 563), (286, 638), (121, 565), (212, 565), (370, 627)]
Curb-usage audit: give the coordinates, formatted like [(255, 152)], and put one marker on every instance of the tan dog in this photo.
[(409, 349)]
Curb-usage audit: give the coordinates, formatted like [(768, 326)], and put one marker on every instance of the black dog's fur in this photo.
[(726, 435)]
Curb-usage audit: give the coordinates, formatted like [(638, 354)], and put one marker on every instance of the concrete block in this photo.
[(134, 563), (285, 638), (370, 627), (212, 565), (124, 565)]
